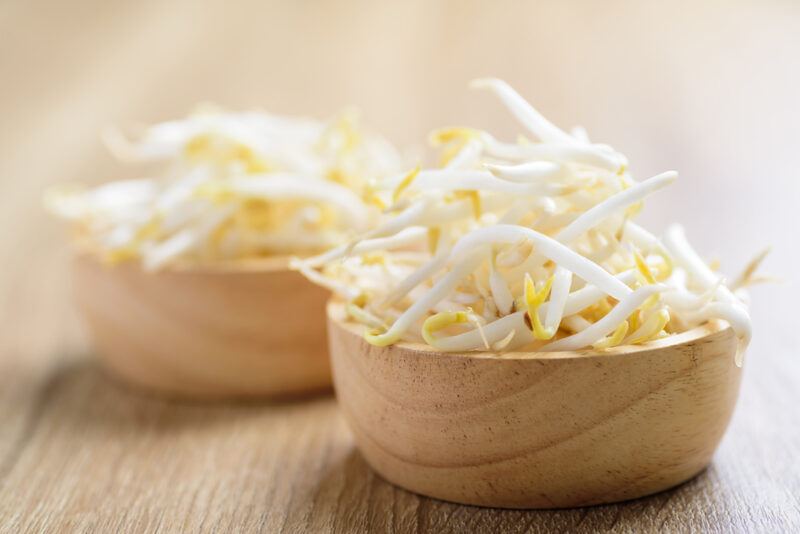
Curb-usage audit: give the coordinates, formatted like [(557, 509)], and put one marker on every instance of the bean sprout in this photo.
[(538, 239), (234, 186)]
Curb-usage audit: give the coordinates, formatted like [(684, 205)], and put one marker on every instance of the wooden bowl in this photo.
[(536, 430), (226, 331)]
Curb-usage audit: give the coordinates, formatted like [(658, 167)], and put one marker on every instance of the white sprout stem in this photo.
[(405, 237), (123, 196), (121, 236), (639, 236), (548, 247), (500, 292), (490, 310), (532, 171), (409, 217), (524, 112), (579, 300), (447, 305), (438, 292), (504, 343), (601, 254), (173, 247), (494, 332), (177, 196), (512, 257), (183, 241), (611, 205), (464, 299), (576, 323), (456, 180), (736, 316), (580, 133), (467, 156), (564, 153), (559, 293), (553, 221), (682, 299), (460, 209), (607, 324), (417, 277), (284, 186), (678, 246), (678, 279), (546, 204), (516, 212), (364, 316)]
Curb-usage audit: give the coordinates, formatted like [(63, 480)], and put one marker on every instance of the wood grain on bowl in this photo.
[(225, 331), (536, 430)]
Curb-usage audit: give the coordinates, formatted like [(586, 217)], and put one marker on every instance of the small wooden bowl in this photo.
[(213, 332), (536, 430)]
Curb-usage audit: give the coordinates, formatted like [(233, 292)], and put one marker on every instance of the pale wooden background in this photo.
[(708, 88)]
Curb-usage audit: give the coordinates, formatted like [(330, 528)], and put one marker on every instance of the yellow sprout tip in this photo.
[(441, 320), (643, 268), (534, 299), (404, 183), (380, 338), (614, 339)]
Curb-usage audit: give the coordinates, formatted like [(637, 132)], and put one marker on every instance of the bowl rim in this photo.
[(714, 328)]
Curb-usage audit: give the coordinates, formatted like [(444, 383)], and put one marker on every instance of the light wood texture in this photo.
[(536, 430), (207, 332), (707, 88)]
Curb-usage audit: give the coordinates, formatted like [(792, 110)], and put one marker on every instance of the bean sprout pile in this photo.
[(234, 186), (529, 245)]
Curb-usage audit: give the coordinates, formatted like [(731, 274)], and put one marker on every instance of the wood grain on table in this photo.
[(707, 88)]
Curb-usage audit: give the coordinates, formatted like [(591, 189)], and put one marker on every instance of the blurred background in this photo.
[(709, 89)]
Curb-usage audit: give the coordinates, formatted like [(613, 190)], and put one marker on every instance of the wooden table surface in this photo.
[(711, 91)]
